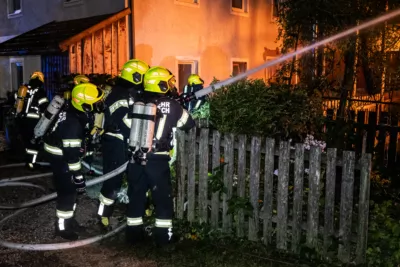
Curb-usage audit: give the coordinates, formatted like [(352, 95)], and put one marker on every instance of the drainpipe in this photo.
[(130, 29)]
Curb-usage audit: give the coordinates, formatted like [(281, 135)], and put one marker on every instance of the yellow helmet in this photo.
[(85, 96), (159, 80), (37, 75), (195, 79), (80, 79), (134, 70)]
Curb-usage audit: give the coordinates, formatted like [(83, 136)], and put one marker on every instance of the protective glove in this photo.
[(79, 182), (96, 130)]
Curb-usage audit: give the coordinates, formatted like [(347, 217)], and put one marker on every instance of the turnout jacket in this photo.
[(116, 120), (37, 102), (171, 115), (66, 137)]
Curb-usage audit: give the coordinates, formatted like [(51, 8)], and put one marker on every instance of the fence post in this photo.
[(298, 197), (282, 198), (228, 179), (203, 175), (346, 205), (255, 159), (372, 120), (313, 197), (363, 209), (191, 166), (180, 172), (329, 198), (241, 182), (268, 189), (216, 162)]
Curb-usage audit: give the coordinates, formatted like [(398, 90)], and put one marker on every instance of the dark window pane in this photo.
[(184, 71), (237, 4), (238, 67), (275, 11), (17, 5)]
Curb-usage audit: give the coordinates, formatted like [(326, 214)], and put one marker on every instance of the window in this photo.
[(238, 67), (72, 2), (190, 2), (14, 8), (240, 6), (185, 68), (17, 73), (275, 8)]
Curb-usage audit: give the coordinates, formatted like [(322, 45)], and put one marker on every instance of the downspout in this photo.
[(130, 29)]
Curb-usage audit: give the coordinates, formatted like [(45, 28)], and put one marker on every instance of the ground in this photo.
[(36, 225)]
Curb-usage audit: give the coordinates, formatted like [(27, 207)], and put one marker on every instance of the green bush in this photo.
[(255, 108)]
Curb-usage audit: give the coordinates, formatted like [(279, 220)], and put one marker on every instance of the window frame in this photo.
[(241, 11), (195, 3), (72, 3), (240, 60), (16, 60), (14, 14), (269, 58), (273, 6), (186, 60)]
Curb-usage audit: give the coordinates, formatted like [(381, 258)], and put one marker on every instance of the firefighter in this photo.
[(195, 83), (63, 147), (117, 127), (149, 160), (35, 104)]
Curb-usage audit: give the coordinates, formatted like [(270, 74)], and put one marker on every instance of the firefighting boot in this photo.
[(164, 238), (104, 214), (64, 229), (134, 235)]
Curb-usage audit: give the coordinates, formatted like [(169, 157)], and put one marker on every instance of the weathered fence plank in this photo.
[(268, 189), (228, 180), (181, 173), (255, 160), (346, 206), (191, 167), (241, 186), (313, 196), (298, 197), (203, 176), (363, 209), (329, 199), (216, 162), (282, 199)]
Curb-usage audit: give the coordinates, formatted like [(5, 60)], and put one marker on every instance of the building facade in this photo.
[(208, 37), (20, 16)]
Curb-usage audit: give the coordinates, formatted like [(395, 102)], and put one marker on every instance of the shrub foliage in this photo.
[(252, 107)]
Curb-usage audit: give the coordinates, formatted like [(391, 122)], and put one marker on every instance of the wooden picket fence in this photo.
[(285, 218)]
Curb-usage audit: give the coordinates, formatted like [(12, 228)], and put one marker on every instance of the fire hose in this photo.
[(196, 95), (56, 246)]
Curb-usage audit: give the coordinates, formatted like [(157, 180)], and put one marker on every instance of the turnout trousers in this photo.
[(114, 155), (31, 150), (64, 185), (155, 176)]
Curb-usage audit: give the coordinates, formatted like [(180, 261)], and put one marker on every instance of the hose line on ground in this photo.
[(22, 164), (22, 184), (91, 168), (28, 177), (54, 246), (54, 195)]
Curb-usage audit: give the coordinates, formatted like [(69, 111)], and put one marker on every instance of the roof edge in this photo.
[(66, 43)]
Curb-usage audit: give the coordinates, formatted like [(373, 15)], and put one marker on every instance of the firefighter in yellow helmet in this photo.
[(78, 79), (62, 145), (34, 103), (195, 83), (156, 115), (117, 124)]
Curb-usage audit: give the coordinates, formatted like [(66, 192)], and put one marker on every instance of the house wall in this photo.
[(167, 31), (39, 12)]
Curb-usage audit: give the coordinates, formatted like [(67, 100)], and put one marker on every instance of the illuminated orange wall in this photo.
[(165, 31)]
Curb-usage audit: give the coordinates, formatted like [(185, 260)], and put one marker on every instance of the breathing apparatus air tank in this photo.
[(47, 118), (136, 126), (146, 141), (142, 130), (21, 95)]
